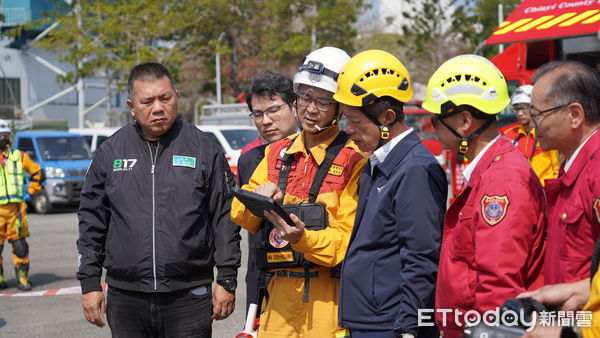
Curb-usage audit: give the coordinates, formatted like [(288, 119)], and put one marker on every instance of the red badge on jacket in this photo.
[(494, 208)]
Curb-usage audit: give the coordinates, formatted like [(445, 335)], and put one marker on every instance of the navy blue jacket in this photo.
[(391, 264)]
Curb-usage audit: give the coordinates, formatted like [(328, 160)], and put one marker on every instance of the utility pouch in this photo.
[(274, 253)]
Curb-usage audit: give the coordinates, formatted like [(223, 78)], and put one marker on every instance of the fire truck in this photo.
[(537, 32)]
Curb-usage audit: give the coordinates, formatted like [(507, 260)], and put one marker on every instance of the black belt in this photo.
[(307, 275), (294, 274)]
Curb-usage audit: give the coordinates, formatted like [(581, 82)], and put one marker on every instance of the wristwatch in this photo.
[(228, 284)]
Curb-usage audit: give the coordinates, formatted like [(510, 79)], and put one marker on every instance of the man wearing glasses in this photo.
[(303, 301), (269, 97), (493, 238), (523, 136), (565, 109)]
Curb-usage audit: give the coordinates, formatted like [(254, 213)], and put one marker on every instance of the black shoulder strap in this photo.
[(332, 151), (284, 171)]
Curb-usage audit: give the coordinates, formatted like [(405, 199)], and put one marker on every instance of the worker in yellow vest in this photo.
[(13, 220)]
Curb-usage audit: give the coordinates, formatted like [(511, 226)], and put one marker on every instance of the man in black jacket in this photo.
[(154, 212)]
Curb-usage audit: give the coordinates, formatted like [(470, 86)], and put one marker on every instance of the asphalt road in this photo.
[(53, 257)]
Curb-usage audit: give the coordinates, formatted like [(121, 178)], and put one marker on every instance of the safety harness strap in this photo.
[(286, 163), (332, 151)]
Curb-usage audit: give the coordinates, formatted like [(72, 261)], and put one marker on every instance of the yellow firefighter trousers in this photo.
[(14, 225), (287, 316)]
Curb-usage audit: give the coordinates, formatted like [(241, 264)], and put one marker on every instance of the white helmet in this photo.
[(4, 128), (521, 95), (321, 68)]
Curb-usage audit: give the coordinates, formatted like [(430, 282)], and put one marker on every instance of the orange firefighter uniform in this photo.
[(13, 219), (286, 315)]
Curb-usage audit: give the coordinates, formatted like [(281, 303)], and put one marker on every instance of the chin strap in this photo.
[(384, 129), (463, 142)]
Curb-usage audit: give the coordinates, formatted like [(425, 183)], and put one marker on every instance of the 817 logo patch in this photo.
[(124, 164)]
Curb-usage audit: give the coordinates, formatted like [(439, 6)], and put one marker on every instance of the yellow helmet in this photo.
[(467, 80), (370, 75)]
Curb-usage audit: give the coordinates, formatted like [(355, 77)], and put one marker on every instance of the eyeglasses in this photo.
[(271, 112), (535, 115), (322, 105), (521, 107), (439, 118)]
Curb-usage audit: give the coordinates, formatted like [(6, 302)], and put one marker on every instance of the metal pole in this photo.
[(196, 120), (218, 68), (218, 79), (80, 86), (48, 100), (80, 103)]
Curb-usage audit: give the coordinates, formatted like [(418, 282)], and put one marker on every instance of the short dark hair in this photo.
[(382, 104), (270, 84), (574, 82), (149, 71)]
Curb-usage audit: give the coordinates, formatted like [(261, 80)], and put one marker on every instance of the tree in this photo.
[(429, 37), (274, 34), (476, 20), (438, 30), (109, 37)]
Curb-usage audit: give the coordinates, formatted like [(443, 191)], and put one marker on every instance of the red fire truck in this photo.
[(540, 31)]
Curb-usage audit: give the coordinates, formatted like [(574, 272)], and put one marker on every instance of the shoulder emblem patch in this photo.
[(275, 241), (494, 208), (597, 209)]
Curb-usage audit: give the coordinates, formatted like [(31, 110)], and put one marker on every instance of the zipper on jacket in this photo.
[(153, 162)]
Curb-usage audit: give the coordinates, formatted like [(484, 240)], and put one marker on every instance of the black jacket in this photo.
[(157, 229), (247, 163)]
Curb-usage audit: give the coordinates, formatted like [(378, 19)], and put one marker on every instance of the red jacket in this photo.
[(574, 216), (493, 240), (257, 142)]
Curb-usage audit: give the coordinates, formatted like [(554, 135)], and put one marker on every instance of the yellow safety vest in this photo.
[(11, 179)]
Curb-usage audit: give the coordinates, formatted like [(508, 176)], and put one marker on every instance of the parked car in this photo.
[(232, 139), (94, 136), (64, 158)]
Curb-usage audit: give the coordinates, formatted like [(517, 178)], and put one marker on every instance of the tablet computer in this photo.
[(258, 203)]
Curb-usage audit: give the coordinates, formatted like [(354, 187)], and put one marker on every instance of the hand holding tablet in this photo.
[(258, 204)]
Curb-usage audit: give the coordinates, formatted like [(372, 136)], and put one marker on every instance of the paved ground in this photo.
[(53, 263)]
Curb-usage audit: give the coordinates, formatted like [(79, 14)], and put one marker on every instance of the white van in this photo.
[(94, 136), (232, 138)]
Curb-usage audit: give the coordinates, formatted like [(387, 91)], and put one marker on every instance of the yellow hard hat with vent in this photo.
[(370, 75), (467, 80)]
